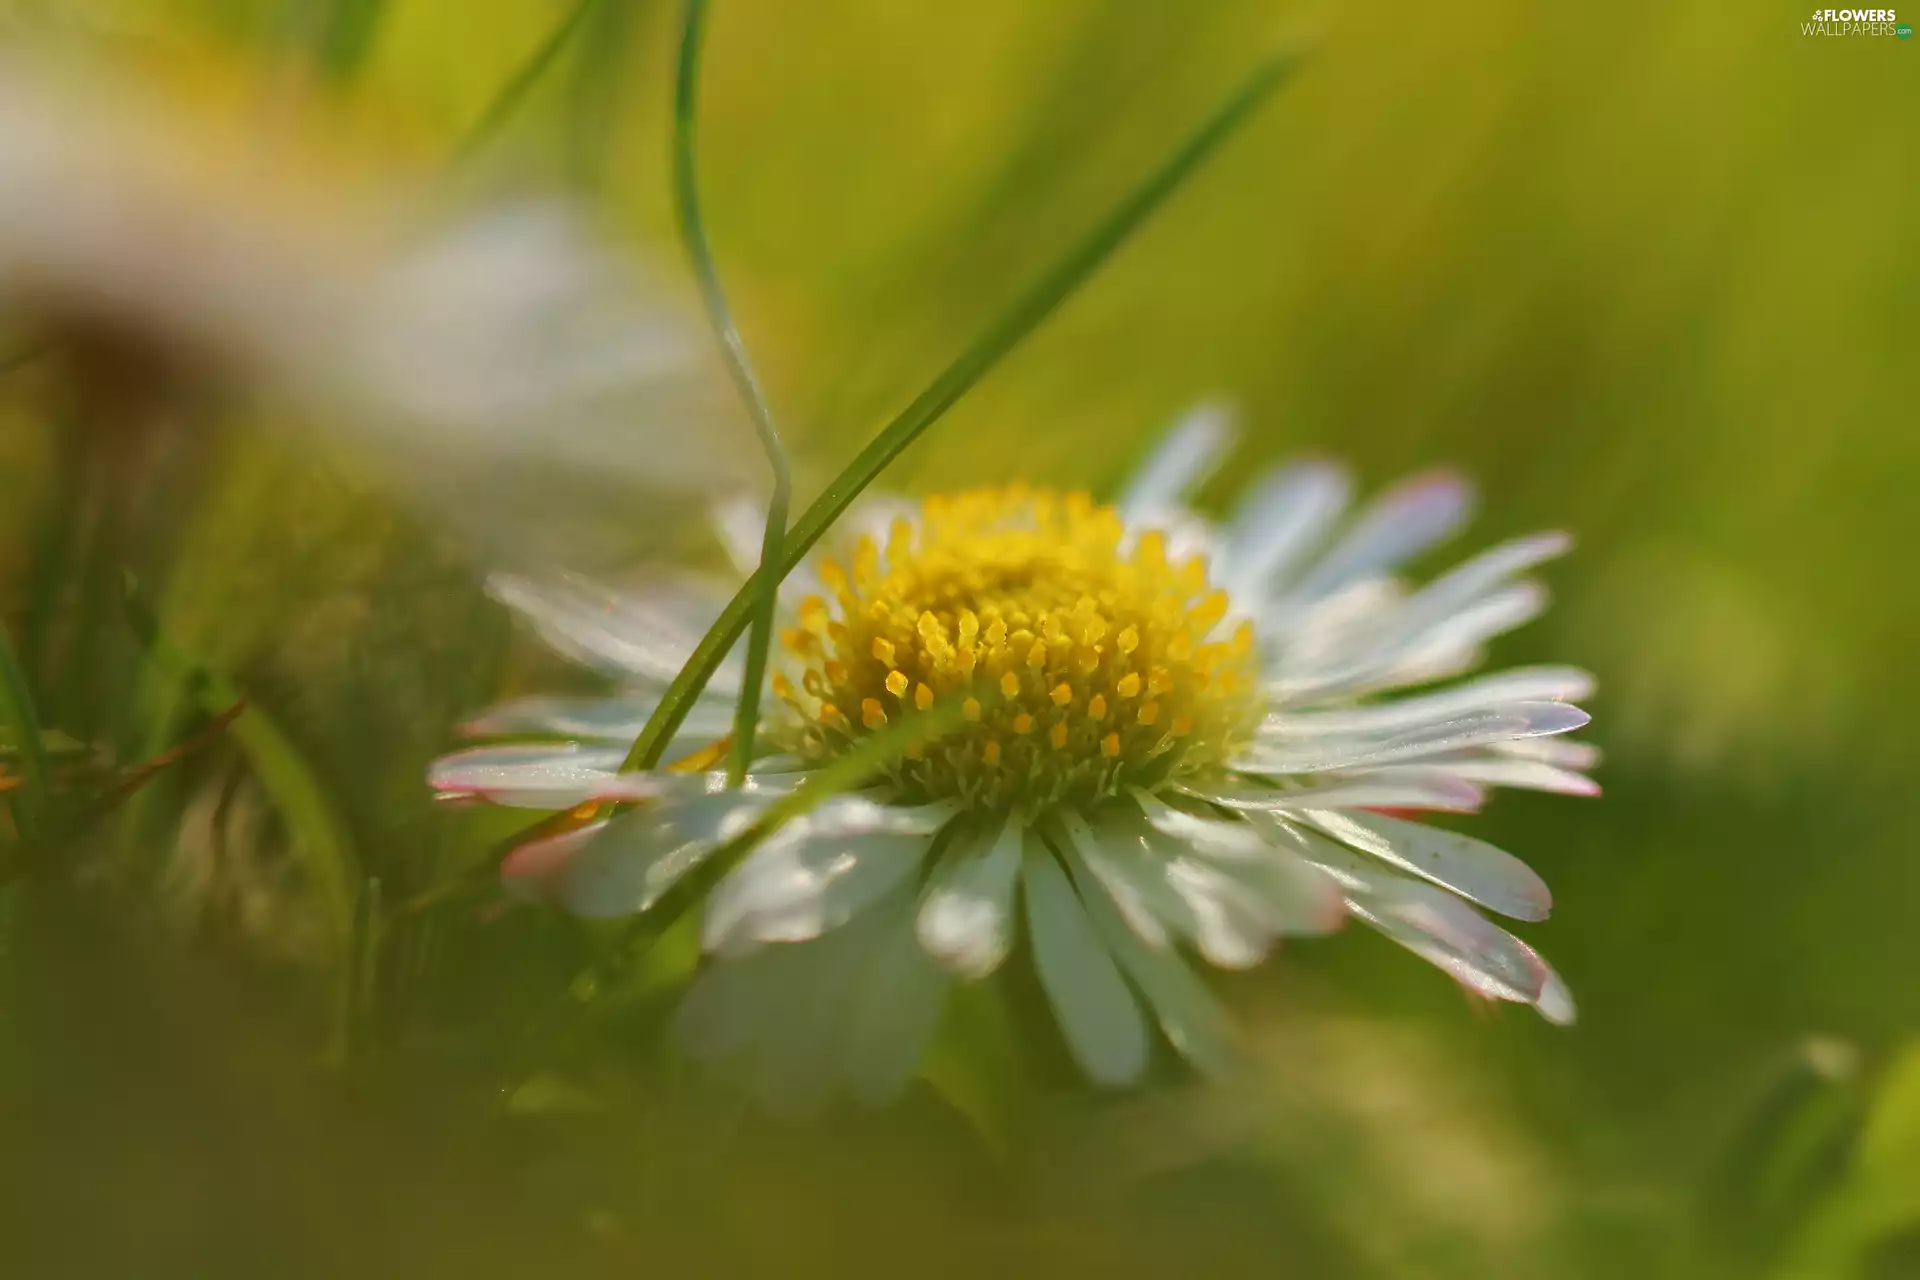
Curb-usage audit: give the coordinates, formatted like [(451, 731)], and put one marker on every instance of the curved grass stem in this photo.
[(1005, 333), (693, 234)]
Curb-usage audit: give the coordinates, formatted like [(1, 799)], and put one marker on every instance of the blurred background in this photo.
[(1649, 273)]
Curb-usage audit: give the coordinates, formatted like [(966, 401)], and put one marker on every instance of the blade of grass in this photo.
[(1000, 337), (693, 235), (599, 90), (513, 92), (346, 33), (31, 799), (853, 767)]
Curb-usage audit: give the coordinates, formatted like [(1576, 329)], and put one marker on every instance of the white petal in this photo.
[(1192, 1020), (1129, 883), (1497, 771), (895, 1006), (541, 776), (802, 882), (646, 632), (533, 870), (1435, 925), (1291, 896), (1230, 929), (859, 815), (1209, 835), (1280, 753), (1493, 692), (1449, 640), (1183, 458), (966, 920), (801, 1040), (613, 719), (1555, 751), (740, 522), (1449, 935), (1484, 573), (1360, 793), (728, 1002), (1102, 1024), (1278, 522), (1555, 1001), (641, 855), (1376, 653), (1471, 868), (1398, 525)]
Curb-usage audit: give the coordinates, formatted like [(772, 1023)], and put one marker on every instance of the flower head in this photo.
[(1082, 669), (1172, 742), (151, 242)]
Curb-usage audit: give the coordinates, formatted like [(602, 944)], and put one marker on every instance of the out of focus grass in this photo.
[(1649, 272)]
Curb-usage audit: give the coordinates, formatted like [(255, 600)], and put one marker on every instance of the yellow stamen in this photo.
[(988, 585)]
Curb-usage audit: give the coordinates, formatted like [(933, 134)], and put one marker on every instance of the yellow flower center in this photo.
[(1079, 668)]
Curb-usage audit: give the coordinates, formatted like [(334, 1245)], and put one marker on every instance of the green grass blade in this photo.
[(511, 94), (845, 772), (1002, 336), (345, 37), (693, 234), (18, 713)]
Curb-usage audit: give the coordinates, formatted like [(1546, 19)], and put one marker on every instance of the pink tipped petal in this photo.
[(1553, 751), (532, 871), (541, 776), (1525, 775)]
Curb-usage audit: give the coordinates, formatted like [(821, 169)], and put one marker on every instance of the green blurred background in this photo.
[(1650, 273)]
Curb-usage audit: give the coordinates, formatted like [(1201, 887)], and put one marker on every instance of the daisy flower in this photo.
[(153, 242), (1175, 744)]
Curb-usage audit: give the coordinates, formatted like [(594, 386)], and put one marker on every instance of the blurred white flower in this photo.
[(480, 354), (1173, 746)]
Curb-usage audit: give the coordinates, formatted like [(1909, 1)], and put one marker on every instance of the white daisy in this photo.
[(150, 241), (1174, 746)]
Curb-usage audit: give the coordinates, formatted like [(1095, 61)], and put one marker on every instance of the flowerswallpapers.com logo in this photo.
[(1855, 22)]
